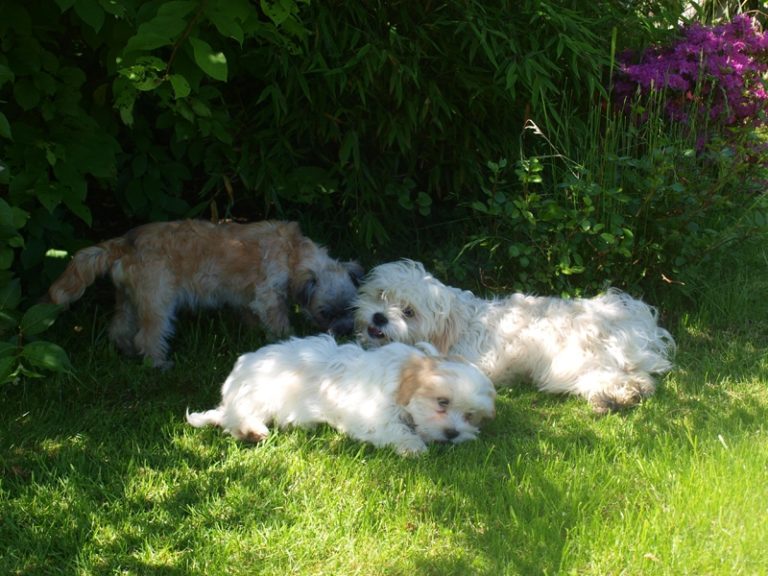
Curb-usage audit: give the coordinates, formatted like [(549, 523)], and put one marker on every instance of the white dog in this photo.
[(396, 395), (604, 348)]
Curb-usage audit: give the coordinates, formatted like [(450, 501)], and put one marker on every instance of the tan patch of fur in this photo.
[(415, 376), (156, 267), (448, 336)]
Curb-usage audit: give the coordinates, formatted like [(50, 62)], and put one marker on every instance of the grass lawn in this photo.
[(100, 474)]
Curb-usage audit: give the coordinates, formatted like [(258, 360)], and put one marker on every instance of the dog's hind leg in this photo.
[(155, 319), (620, 391), (124, 324)]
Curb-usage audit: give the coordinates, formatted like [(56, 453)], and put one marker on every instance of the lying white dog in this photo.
[(396, 395), (604, 348)]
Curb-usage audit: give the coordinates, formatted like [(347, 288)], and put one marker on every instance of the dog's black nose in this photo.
[(379, 319), (450, 433), (342, 326)]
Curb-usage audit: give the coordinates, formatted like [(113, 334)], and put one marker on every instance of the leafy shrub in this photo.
[(149, 110), (21, 352), (640, 208), (642, 195)]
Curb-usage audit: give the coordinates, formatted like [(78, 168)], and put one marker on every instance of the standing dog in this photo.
[(396, 395), (261, 267), (604, 349)]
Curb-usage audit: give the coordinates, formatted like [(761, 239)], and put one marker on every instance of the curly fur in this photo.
[(260, 267), (605, 348), (397, 395)]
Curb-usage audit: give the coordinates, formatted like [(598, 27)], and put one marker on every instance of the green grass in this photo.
[(99, 474)]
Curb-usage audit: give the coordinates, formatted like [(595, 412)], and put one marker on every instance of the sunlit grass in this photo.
[(101, 475)]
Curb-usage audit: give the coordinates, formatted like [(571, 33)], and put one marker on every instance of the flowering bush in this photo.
[(719, 71)]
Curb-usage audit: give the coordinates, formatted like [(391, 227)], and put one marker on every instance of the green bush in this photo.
[(372, 114), (638, 206)]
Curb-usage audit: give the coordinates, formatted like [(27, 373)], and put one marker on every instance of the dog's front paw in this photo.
[(160, 363), (252, 430), (411, 447)]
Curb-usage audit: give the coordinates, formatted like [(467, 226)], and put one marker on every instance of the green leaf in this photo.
[(6, 257), (6, 74), (9, 322), (12, 217), (80, 210), (125, 98), (278, 10), (7, 365), (163, 29), (228, 17), (5, 127), (47, 355), (39, 318), (181, 88), (91, 13), (26, 94), (10, 295), (349, 145), (213, 64), (7, 349), (200, 108)]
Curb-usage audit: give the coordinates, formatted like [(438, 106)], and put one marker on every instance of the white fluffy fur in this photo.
[(604, 349), (396, 395)]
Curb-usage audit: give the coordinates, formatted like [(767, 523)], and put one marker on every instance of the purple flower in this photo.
[(721, 67)]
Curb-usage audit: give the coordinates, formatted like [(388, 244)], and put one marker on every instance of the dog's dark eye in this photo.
[(471, 417), (443, 403), (408, 312)]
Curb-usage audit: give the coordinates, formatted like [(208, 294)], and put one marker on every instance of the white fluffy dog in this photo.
[(604, 348), (396, 395)]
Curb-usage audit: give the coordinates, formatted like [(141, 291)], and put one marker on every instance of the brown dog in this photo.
[(261, 267)]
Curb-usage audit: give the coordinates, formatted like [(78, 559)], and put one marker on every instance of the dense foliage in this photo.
[(472, 135), (652, 183)]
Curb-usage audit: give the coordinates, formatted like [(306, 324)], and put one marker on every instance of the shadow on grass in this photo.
[(78, 460), (80, 477)]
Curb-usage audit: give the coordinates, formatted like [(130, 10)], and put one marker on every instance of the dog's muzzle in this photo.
[(342, 326), (336, 320), (450, 434), (374, 330)]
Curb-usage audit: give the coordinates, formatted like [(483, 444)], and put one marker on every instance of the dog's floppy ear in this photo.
[(449, 331), (356, 272), (416, 371)]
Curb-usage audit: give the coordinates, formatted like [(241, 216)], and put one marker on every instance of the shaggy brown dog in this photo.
[(260, 267)]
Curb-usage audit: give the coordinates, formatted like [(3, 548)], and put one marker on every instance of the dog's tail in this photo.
[(213, 417), (87, 265)]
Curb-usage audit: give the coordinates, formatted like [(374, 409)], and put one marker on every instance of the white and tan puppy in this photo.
[(605, 348), (396, 395), (260, 267)]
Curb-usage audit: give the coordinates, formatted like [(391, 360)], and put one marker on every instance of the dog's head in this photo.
[(327, 293), (445, 399), (401, 302)]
